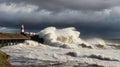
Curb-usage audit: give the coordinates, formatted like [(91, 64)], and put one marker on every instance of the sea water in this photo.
[(64, 48)]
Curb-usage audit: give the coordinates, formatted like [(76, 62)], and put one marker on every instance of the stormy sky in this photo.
[(98, 18)]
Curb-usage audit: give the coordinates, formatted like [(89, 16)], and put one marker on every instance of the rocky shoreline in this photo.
[(4, 60)]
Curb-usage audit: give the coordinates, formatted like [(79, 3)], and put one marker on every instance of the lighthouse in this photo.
[(22, 29)]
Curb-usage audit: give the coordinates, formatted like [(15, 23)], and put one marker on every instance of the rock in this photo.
[(100, 46), (85, 45), (4, 60), (73, 54)]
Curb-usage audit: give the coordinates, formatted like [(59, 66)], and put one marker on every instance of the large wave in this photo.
[(34, 53), (66, 37)]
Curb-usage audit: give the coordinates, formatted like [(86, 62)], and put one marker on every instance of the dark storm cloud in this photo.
[(93, 17), (56, 5)]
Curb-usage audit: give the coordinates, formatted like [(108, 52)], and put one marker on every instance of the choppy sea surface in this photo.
[(65, 48)]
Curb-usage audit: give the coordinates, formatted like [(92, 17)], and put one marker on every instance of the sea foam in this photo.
[(61, 37), (31, 51), (67, 37)]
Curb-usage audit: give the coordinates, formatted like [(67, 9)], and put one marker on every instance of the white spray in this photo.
[(57, 37)]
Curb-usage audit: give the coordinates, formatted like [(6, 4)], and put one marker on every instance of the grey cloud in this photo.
[(38, 19), (8, 30), (57, 5), (89, 16)]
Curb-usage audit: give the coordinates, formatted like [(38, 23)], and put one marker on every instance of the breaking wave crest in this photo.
[(34, 53), (68, 37)]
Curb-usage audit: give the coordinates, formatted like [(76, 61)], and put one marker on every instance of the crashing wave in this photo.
[(97, 42), (67, 37)]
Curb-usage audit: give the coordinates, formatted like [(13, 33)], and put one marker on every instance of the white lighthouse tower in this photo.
[(22, 29)]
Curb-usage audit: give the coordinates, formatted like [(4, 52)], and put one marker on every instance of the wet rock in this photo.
[(73, 54), (85, 46), (4, 60)]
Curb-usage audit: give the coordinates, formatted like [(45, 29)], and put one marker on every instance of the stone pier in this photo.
[(9, 42)]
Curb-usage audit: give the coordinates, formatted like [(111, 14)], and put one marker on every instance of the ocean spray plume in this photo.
[(59, 37)]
